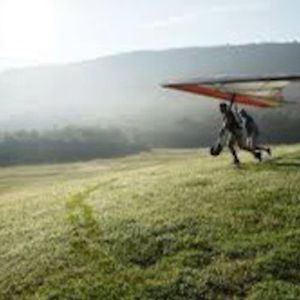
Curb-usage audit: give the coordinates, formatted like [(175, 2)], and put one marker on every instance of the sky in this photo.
[(60, 31)]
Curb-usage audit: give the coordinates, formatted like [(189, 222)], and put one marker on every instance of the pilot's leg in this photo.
[(231, 146), (257, 146), (242, 143)]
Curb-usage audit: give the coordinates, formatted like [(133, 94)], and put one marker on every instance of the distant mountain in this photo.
[(124, 90), (10, 63)]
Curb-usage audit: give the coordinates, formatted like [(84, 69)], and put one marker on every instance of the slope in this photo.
[(161, 225)]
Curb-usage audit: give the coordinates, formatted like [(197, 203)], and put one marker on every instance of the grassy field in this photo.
[(160, 225)]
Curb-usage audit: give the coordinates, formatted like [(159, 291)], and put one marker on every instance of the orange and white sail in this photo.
[(262, 91)]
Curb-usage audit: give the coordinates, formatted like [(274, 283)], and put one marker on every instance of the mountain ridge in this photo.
[(125, 89)]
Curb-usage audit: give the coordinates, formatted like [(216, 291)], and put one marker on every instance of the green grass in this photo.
[(161, 225)]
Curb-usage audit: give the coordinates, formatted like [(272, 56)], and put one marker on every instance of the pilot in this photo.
[(234, 127), (252, 132)]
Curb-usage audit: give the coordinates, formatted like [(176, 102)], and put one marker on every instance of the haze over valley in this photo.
[(125, 90)]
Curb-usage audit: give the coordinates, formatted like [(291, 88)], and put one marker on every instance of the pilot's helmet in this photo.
[(223, 107)]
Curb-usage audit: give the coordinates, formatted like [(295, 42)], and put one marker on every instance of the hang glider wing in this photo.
[(256, 91)]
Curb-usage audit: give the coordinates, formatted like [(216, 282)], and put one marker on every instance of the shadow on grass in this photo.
[(275, 164), (287, 164), (285, 161)]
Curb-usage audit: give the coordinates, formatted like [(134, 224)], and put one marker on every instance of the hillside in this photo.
[(124, 91), (163, 225)]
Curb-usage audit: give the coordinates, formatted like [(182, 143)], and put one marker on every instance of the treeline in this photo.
[(85, 143), (66, 145), (74, 143)]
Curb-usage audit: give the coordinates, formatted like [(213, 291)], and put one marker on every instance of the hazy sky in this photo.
[(71, 30)]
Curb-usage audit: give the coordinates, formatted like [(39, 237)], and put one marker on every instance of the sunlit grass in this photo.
[(159, 225)]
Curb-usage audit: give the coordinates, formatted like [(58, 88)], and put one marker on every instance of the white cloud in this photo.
[(222, 8), (172, 20), (240, 7)]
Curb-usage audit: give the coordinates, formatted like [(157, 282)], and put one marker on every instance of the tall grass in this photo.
[(160, 225)]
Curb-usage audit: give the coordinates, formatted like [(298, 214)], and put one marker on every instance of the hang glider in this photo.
[(264, 91)]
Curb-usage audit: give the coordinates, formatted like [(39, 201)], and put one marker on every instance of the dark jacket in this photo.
[(250, 125), (231, 123)]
